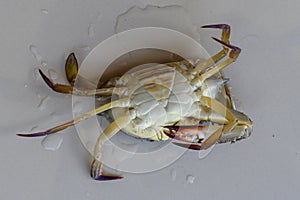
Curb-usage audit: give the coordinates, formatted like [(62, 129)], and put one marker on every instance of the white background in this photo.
[(265, 81)]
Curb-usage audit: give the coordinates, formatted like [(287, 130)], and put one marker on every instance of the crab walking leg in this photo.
[(110, 131), (96, 166), (233, 55), (67, 89), (118, 103), (221, 54)]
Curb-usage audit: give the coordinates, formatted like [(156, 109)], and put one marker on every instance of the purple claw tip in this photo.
[(39, 134), (107, 178), (220, 26), (46, 79)]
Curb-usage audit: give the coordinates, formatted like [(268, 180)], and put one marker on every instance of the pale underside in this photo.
[(162, 95)]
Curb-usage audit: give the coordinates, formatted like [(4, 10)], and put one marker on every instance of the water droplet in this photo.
[(52, 142), (25, 85), (44, 63), (173, 174), (91, 30), (52, 74), (190, 179), (35, 53), (45, 11), (43, 103)]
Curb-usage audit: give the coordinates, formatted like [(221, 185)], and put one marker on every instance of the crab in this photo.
[(177, 100)]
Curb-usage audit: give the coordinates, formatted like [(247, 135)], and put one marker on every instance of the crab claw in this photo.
[(56, 87), (98, 175), (185, 133), (68, 89), (205, 144), (46, 79)]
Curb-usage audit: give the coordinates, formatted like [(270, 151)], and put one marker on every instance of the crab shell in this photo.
[(163, 95)]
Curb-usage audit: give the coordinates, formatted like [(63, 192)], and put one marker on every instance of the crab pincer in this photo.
[(190, 142), (185, 133)]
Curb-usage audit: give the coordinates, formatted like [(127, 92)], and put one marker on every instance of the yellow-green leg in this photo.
[(221, 54), (69, 89), (97, 172), (71, 69), (118, 103), (233, 55)]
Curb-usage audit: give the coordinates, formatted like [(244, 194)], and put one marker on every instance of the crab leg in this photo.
[(96, 166), (67, 89), (233, 55), (221, 54), (118, 103), (71, 69)]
